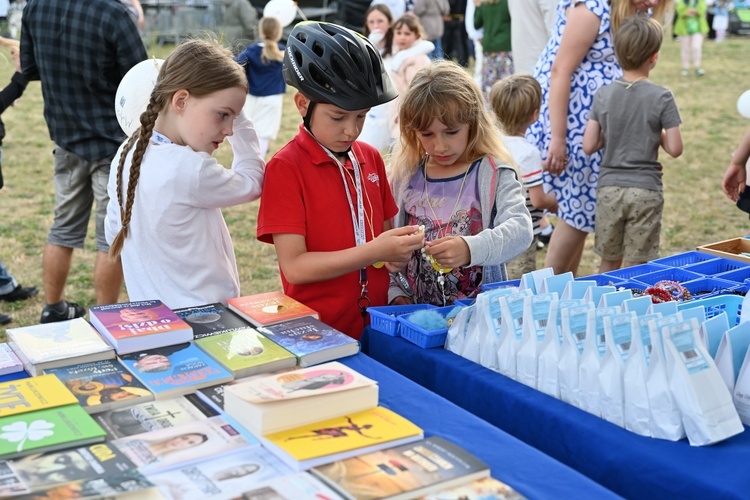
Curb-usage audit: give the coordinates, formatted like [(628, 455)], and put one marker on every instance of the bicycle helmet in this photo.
[(334, 65)]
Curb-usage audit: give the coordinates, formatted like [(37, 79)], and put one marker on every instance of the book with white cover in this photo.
[(291, 399)]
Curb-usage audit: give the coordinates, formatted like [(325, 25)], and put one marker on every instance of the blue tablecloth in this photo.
[(630, 465), (529, 471)]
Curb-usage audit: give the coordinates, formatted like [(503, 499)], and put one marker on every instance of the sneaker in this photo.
[(544, 238), (20, 293), (5, 319), (685, 72), (699, 72), (72, 311), (539, 244)]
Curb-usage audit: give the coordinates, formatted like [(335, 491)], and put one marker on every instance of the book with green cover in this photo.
[(246, 352), (31, 394), (47, 430)]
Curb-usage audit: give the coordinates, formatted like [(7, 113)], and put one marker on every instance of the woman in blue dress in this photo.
[(578, 59)]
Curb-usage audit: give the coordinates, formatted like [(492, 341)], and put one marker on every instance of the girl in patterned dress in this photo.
[(578, 59)]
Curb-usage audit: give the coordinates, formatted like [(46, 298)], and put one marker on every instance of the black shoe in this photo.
[(5, 319), (544, 238), (19, 293), (72, 311)]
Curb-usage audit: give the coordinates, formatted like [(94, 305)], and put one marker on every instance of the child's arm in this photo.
[(671, 141), (593, 139), (510, 236), (301, 267), (15, 88), (734, 179), (542, 200)]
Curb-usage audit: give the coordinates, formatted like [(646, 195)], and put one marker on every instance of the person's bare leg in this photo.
[(565, 248), (56, 262), (609, 265), (107, 278), (627, 263)]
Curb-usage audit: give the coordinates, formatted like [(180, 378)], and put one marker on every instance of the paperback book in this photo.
[(8, 377), (265, 309), (311, 340), (138, 326), (51, 345), (184, 445), (487, 488), (338, 438), (287, 400), (80, 465), (47, 430), (292, 486), (175, 370), (213, 396), (102, 385), (32, 394), (118, 485), (211, 478), (246, 352), (403, 472), (9, 362), (211, 319), (146, 417)]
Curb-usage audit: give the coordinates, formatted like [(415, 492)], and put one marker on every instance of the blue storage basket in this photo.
[(731, 304), (684, 259), (634, 271), (739, 275), (383, 318), (425, 338), (632, 285), (463, 302), (716, 266), (500, 284), (672, 274), (601, 279), (708, 287)]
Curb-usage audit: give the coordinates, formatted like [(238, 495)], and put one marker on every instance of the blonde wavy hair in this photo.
[(444, 91), (619, 10)]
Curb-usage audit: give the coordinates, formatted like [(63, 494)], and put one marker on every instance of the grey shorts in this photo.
[(628, 223), (78, 183)]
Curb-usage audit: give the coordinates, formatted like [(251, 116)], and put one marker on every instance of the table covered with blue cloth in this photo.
[(529, 471), (628, 464)]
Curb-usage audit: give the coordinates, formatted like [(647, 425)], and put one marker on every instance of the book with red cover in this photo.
[(137, 326), (264, 309)]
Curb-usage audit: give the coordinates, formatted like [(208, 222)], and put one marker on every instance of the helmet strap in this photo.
[(306, 121)]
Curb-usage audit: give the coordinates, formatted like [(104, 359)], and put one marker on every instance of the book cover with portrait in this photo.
[(311, 340)]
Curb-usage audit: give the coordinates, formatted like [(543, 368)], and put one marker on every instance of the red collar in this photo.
[(317, 154)]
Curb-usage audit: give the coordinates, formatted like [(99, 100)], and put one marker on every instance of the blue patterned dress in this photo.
[(575, 188)]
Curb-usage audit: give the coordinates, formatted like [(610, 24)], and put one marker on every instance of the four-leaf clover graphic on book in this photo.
[(46, 430)]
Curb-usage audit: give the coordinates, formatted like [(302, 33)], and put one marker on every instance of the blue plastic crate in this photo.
[(672, 274), (633, 284), (464, 302), (500, 284), (715, 266), (627, 273), (383, 318), (731, 304), (425, 338), (708, 287), (601, 279), (739, 275), (684, 259)]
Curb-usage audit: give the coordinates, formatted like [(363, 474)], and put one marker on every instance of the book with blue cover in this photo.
[(175, 370), (211, 319), (311, 340)]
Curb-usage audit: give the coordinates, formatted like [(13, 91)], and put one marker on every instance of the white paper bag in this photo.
[(577, 289), (574, 337), (490, 326), (549, 352), (708, 413), (594, 293), (615, 299), (664, 308), (619, 331), (712, 330), (533, 280), (741, 394), (640, 305), (511, 307), (636, 406), (731, 353), (665, 417), (591, 357), (535, 318), (456, 338), (555, 284)]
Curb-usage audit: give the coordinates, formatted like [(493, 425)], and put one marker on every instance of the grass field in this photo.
[(696, 211)]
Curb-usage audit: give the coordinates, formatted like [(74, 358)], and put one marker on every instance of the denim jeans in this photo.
[(7, 282)]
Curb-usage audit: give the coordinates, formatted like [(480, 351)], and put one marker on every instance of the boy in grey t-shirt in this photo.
[(630, 118)]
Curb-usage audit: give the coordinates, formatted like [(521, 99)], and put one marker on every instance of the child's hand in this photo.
[(397, 245), (449, 252), (395, 267), (734, 181), (557, 158), (16, 54)]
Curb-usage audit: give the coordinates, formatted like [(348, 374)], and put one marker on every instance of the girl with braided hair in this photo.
[(167, 191)]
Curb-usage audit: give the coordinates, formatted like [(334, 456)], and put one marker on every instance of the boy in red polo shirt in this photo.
[(326, 203)]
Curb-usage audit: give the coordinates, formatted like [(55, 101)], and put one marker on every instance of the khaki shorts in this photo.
[(524, 263), (78, 184), (628, 223)]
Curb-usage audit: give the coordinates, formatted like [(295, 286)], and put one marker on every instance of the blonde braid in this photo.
[(148, 118)]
